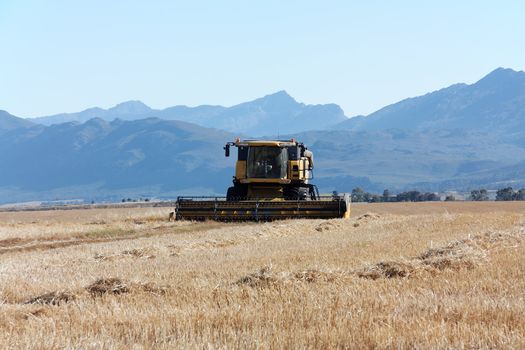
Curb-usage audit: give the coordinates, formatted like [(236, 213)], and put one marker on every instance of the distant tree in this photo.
[(374, 198), (410, 196), (505, 194), (386, 195), (359, 195), (450, 198), (520, 195), (428, 197), (479, 195), (402, 197), (416, 196)]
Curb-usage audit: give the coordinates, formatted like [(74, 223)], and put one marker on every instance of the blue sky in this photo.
[(65, 56)]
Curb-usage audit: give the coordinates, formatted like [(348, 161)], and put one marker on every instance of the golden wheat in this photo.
[(434, 275)]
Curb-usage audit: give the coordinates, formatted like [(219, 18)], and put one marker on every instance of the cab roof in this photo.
[(267, 143)]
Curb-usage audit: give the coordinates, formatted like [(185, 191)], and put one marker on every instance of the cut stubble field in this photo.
[(395, 275)]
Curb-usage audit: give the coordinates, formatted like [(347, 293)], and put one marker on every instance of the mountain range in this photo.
[(493, 104), (457, 138), (273, 114)]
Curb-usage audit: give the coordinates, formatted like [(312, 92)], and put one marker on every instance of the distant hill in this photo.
[(273, 114), (425, 160), (10, 122), (158, 158), (494, 104), (100, 159)]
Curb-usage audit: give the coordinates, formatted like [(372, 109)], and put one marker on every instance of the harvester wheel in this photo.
[(296, 193), (235, 193)]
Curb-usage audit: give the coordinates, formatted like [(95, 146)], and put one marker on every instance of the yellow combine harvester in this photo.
[(271, 182)]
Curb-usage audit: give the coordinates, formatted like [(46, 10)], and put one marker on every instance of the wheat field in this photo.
[(425, 275)]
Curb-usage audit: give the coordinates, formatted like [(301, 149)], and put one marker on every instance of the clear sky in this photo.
[(65, 56)]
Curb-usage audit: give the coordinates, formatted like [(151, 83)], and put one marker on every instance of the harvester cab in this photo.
[(271, 182), (271, 170)]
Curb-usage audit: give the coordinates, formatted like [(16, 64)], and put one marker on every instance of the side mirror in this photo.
[(310, 156), (227, 150)]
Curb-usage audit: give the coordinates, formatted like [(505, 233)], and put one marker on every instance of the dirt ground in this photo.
[(395, 275)]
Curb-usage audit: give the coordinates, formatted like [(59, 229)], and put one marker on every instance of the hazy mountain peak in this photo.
[(9, 121), (93, 110), (502, 76), (130, 107), (281, 94), (279, 97), (5, 114)]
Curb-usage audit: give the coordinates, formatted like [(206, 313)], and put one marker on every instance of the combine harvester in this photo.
[(270, 183)]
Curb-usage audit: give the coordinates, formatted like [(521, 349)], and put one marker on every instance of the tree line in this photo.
[(503, 194), (360, 195)]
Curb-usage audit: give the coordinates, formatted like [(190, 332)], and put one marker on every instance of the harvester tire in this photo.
[(235, 193), (296, 193)]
